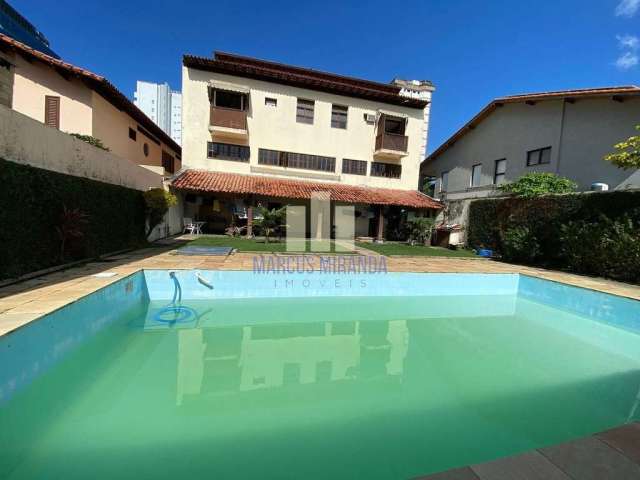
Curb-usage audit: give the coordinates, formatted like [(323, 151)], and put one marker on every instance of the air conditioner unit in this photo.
[(370, 117)]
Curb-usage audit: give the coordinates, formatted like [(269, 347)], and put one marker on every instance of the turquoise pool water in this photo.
[(317, 385)]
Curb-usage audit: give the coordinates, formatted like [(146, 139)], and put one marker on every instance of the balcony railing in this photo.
[(391, 141), (228, 118)]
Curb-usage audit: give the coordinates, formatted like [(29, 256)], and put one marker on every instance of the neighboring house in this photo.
[(162, 105), (566, 133), (19, 28), (259, 132), (75, 100)]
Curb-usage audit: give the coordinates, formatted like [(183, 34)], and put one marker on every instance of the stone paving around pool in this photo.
[(23, 302)]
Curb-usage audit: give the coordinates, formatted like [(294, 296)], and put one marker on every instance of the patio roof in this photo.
[(218, 182)]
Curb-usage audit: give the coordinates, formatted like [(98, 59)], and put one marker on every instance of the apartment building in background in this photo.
[(75, 100), (14, 25), (566, 133), (162, 105), (263, 133)]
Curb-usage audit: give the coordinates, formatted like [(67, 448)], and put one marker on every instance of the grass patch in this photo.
[(414, 251), (254, 244)]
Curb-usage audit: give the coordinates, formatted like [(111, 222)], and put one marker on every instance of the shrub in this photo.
[(96, 142), (158, 201), (535, 184), (33, 202), (592, 233), (420, 229), (270, 220)]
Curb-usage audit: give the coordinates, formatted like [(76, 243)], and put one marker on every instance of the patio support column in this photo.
[(380, 232), (250, 221)]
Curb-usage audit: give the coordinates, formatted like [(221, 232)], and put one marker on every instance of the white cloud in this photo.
[(626, 61), (628, 42), (627, 8)]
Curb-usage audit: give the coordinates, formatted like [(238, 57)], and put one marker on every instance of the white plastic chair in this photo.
[(189, 226)]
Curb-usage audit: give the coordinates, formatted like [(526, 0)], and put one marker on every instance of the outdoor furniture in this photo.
[(189, 226), (198, 227)]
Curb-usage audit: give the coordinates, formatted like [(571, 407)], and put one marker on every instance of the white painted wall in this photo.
[(27, 141), (277, 129)]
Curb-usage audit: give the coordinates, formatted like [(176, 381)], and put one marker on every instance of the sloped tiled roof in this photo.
[(218, 182), (569, 95), (94, 81), (248, 67)]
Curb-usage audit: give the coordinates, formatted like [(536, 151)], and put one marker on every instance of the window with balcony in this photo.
[(339, 116), (391, 133), (499, 172), (296, 160), (228, 151), (476, 172), (304, 111), (387, 170), (228, 109), (539, 156), (354, 167)]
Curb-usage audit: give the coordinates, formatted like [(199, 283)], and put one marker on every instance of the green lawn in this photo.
[(415, 251), (391, 248)]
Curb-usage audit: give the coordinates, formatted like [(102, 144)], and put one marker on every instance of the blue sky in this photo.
[(472, 50)]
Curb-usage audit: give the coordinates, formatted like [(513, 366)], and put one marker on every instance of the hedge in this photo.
[(590, 233), (32, 202)]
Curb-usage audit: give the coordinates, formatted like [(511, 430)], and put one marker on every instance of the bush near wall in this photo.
[(32, 202), (590, 233)]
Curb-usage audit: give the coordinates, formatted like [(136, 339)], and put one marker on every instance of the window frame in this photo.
[(443, 187), (304, 105), (497, 174), (271, 102), (340, 111), (133, 135), (471, 179), (390, 170), (539, 152), (244, 101), (52, 111), (348, 165), (168, 162), (301, 161), (244, 152)]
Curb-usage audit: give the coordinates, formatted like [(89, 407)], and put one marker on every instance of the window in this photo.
[(52, 111), (229, 99), (393, 125), (228, 151), (168, 162), (476, 171), (304, 112), (354, 167), (296, 160), (339, 116), (271, 102), (539, 157), (444, 181), (387, 170), (132, 134), (500, 170), (145, 150)]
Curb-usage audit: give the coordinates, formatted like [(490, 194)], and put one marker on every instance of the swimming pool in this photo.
[(377, 376)]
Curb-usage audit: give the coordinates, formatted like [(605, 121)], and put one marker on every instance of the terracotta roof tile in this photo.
[(205, 181), (96, 82)]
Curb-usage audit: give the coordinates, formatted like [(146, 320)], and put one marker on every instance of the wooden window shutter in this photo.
[(52, 111)]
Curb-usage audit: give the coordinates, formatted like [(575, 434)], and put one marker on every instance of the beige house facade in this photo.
[(289, 131), (566, 133), (76, 101)]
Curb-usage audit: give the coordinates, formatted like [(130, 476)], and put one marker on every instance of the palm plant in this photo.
[(270, 220)]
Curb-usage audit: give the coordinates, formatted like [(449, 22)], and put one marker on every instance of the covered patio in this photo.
[(223, 199)]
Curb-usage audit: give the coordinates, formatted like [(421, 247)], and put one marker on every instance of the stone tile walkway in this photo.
[(610, 455)]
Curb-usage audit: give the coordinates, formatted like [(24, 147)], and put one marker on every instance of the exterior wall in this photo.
[(176, 117), (57, 151), (33, 81), (6, 79), (112, 127), (277, 129), (579, 135)]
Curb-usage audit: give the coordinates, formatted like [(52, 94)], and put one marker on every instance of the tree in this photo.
[(627, 154), (536, 183), (158, 201), (270, 221)]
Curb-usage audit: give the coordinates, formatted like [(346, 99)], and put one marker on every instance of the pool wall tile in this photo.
[(31, 350), (248, 284), (603, 307)]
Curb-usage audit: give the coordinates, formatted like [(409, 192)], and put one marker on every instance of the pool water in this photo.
[(319, 387)]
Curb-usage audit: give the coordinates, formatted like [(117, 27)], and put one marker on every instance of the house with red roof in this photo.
[(257, 132)]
